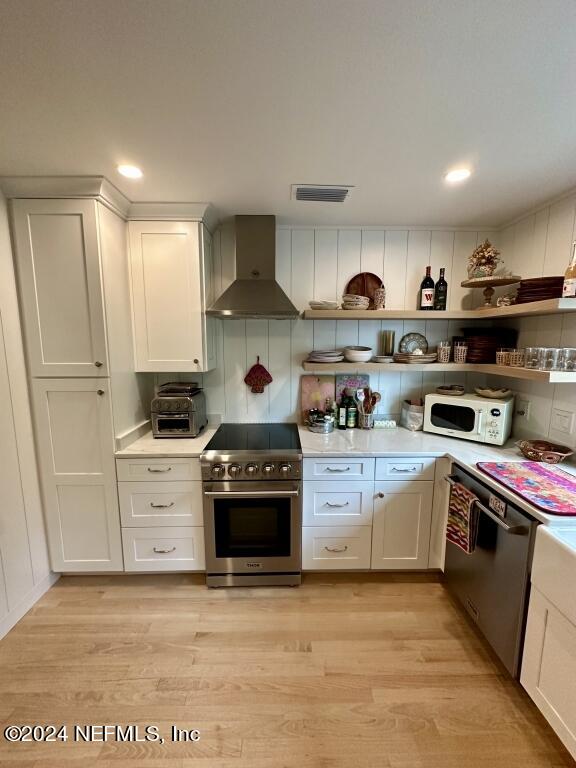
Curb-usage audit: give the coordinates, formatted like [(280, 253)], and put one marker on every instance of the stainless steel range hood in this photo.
[(255, 292)]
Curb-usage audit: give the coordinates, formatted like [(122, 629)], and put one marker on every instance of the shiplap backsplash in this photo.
[(316, 263), (536, 245)]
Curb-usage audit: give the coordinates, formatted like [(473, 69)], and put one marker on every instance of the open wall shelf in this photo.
[(531, 309), (554, 377)]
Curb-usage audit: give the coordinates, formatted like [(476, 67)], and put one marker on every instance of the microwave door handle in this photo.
[(479, 418)]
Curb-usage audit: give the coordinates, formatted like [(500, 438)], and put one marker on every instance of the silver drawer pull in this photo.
[(165, 469), (161, 506), (337, 469), (164, 551), (411, 469), (337, 549), (328, 504)]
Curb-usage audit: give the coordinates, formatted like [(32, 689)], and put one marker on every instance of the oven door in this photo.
[(252, 527)]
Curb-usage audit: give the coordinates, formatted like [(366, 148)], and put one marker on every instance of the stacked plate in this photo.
[(482, 345), (351, 301), (323, 304), (540, 288), (406, 357), (325, 356)]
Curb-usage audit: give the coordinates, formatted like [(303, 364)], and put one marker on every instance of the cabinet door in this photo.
[(58, 265), (75, 442), (167, 296), (211, 324), (549, 666), (401, 527)]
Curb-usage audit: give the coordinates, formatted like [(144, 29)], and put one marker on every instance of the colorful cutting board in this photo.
[(548, 488), (350, 381), (313, 392)]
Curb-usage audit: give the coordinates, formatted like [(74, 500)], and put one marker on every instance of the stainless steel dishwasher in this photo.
[(493, 582)]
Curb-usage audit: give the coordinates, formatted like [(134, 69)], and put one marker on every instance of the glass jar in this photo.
[(549, 359), (531, 358), (569, 359)]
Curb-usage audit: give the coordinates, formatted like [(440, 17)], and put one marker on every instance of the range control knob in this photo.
[(218, 470), (234, 470), (251, 469), (285, 469), (268, 469)]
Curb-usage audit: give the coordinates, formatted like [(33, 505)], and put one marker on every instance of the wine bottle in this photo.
[(342, 413), (441, 291), (569, 287), (427, 291)]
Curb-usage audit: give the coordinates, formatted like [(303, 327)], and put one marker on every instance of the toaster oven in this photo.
[(178, 410)]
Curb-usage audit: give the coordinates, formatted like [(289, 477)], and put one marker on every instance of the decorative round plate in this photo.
[(364, 284), (412, 341)]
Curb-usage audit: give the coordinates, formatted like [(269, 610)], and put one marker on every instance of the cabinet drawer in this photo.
[(163, 549), (158, 469), (336, 548), (339, 469), (328, 503), (145, 504), (417, 468)]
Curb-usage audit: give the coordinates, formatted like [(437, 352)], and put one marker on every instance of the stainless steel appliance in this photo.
[(178, 410), (470, 417), (251, 480), (493, 582)]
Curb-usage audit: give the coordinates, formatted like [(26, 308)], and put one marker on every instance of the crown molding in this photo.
[(204, 212)]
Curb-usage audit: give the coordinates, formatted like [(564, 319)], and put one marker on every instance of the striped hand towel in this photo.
[(462, 524)]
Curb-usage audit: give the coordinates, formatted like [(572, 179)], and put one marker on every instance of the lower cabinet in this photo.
[(401, 526), (75, 441), (163, 549), (161, 514), (549, 666), (326, 548)]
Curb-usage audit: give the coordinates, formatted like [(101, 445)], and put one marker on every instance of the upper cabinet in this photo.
[(58, 262), (172, 285)]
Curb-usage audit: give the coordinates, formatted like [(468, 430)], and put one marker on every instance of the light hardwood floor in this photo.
[(348, 671)]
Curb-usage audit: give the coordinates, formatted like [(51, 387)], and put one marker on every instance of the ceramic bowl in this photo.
[(542, 450), (497, 394), (358, 354)]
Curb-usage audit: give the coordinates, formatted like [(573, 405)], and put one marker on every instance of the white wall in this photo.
[(540, 244), (316, 263), (25, 566)]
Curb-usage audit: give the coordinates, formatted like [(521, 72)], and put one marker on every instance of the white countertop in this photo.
[(372, 443)]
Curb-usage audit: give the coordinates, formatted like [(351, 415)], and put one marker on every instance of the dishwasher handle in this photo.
[(513, 530)]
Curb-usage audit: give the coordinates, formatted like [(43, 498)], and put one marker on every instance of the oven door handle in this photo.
[(513, 530), (267, 494)]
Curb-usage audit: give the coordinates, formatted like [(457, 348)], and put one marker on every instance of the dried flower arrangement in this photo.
[(483, 261)]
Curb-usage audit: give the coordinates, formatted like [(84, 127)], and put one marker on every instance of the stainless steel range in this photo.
[(252, 491)]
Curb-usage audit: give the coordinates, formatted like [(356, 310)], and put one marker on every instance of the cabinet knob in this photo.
[(380, 495), (98, 364), (100, 392), (196, 361)]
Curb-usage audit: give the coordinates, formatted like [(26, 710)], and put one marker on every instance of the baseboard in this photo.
[(31, 598)]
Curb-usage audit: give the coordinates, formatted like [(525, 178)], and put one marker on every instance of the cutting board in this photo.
[(548, 488), (350, 381), (313, 392)]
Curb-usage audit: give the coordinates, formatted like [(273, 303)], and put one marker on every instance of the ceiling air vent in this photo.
[(320, 193)]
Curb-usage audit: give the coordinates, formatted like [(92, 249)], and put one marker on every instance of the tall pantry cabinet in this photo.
[(75, 303)]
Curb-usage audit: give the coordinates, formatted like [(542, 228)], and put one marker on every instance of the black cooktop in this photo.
[(255, 437)]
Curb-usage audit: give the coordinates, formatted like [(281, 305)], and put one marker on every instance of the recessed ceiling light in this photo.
[(458, 174), (130, 171)]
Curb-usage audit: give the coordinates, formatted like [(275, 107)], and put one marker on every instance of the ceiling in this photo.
[(232, 101)]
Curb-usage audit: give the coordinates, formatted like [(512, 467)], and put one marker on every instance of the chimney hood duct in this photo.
[(255, 292)]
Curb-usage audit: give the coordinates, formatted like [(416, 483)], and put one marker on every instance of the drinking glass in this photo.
[(460, 352), (532, 357), (549, 359), (503, 356), (569, 359), (444, 351), (516, 358)]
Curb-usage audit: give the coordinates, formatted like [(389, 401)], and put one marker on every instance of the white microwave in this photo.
[(469, 417)]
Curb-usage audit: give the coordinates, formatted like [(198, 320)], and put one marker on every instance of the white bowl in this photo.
[(358, 354)]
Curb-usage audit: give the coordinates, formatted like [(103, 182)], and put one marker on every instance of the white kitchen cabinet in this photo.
[(410, 468), (336, 548), (163, 549), (329, 503), (161, 504), (58, 264), (339, 468), (75, 445), (401, 524), (172, 285)]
